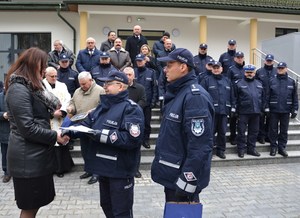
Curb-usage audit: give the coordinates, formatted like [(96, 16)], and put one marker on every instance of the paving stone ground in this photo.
[(258, 191)]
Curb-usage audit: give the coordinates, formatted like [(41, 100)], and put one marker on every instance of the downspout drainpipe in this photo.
[(74, 30)]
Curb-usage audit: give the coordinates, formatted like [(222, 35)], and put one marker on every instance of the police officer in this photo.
[(207, 71), (66, 75), (114, 147), (147, 78), (201, 59), (219, 87), (226, 58), (103, 68), (248, 103), (235, 73), (264, 74), (282, 101), (184, 146)]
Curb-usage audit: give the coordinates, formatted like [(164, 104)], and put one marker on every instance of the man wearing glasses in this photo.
[(248, 104), (201, 59), (88, 58), (115, 141)]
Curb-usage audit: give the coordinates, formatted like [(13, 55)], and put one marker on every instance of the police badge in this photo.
[(197, 127), (134, 130)]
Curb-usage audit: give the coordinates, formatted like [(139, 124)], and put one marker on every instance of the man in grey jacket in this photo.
[(119, 57)]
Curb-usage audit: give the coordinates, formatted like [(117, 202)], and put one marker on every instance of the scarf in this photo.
[(44, 96)]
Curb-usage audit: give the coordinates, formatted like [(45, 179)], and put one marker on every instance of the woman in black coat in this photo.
[(31, 143)]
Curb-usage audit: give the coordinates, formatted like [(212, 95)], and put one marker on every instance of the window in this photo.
[(284, 31), (12, 44), (151, 35)]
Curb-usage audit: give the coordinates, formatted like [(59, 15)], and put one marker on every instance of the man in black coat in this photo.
[(137, 94), (134, 42)]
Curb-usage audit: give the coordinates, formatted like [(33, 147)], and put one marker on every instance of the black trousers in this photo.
[(279, 139), (116, 197), (264, 123), (147, 116), (248, 122), (220, 126)]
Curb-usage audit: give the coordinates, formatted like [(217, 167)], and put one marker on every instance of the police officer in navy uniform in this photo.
[(248, 104), (184, 146), (227, 58), (207, 71), (235, 73), (282, 103), (264, 74), (113, 151), (147, 78), (219, 87), (201, 59), (66, 75), (103, 68)]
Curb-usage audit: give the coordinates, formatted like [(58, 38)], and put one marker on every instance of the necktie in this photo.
[(91, 52)]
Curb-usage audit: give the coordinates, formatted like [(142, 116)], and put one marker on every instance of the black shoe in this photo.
[(146, 144), (283, 152), (233, 142), (241, 153), (85, 175), (93, 180), (273, 152), (6, 178), (267, 140), (138, 174), (60, 175), (262, 141), (221, 154), (253, 152)]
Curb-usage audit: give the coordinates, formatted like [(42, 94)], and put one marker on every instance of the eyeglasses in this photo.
[(54, 76), (111, 83)]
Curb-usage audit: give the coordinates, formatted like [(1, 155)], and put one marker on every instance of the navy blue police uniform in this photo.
[(282, 101), (264, 74), (184, 146), (248, 103), (235, 72), (219, 87), (227, 58), (200, 60), (102, 70), (113, 151), (68, 76), (147, 78)]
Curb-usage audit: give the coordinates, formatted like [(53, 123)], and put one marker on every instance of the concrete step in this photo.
[(231, 160), (234, 160)]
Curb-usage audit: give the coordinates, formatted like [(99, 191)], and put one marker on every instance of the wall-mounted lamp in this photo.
[(140, 19), (129, 19)]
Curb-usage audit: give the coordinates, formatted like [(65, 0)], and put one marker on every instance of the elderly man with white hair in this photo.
[(85, 98), (88, 58), (63, 158)]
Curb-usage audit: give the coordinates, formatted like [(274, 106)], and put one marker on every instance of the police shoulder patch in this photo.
[(197, 127), (134, 130), (189, 176)]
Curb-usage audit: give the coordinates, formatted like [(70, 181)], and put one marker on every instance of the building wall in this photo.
[(220, 30)]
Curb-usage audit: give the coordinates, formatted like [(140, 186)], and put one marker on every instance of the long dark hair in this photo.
[(31, 64)]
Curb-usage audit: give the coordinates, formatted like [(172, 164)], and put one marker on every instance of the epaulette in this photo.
[(131, 102), (195, 90)]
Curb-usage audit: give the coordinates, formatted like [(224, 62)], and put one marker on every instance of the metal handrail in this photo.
[(292, 74)]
